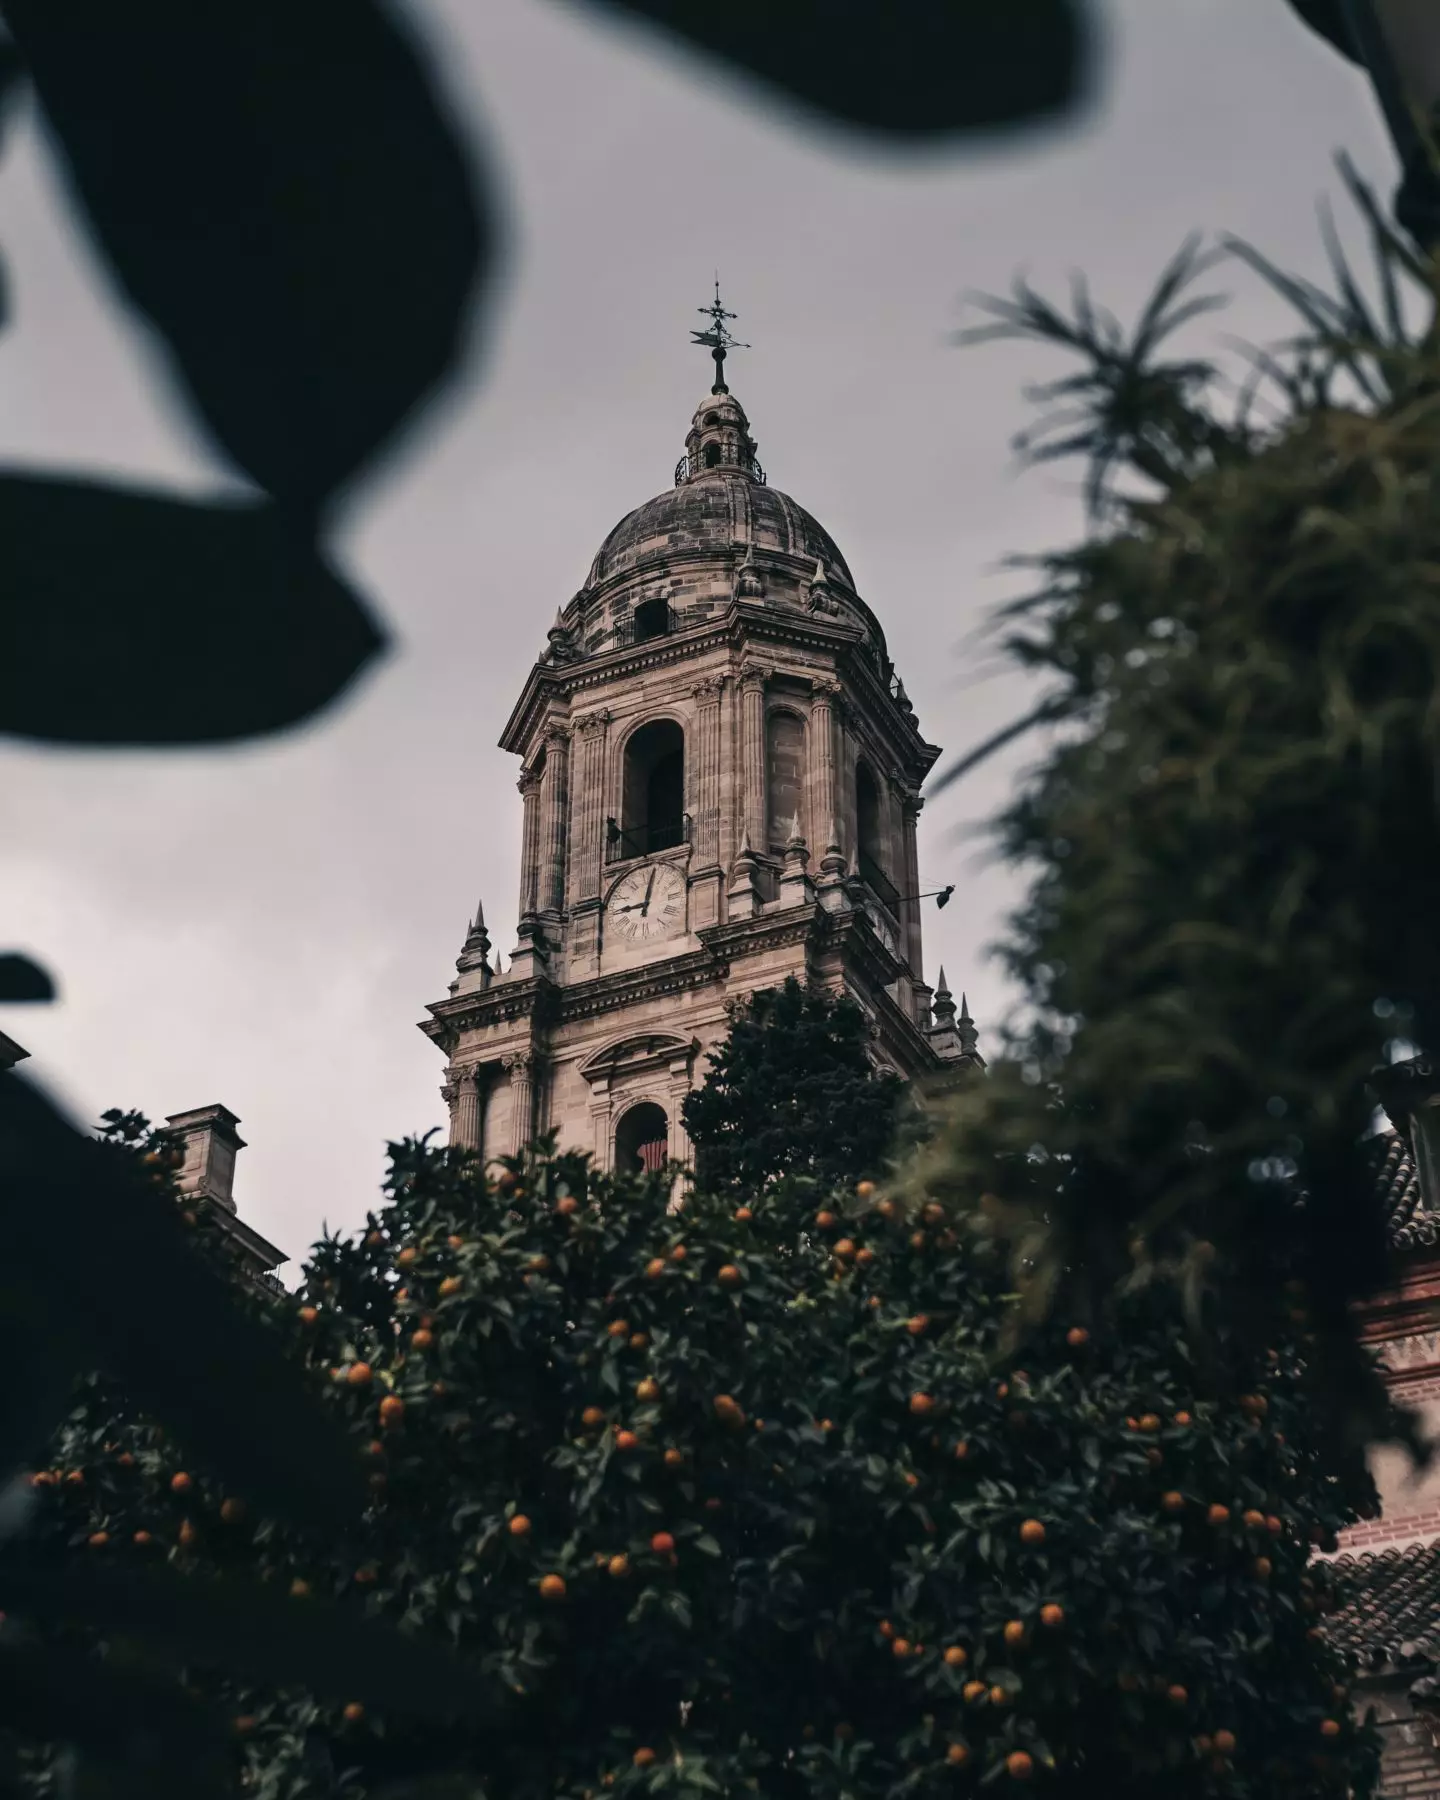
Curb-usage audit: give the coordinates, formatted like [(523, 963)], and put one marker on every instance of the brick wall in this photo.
[(1409, 1762)]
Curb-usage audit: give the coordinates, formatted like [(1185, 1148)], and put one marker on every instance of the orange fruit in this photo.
[(1077, 1336), (921, 1403), (1052, 1615), (1224, 1742), (188, 1535), (1154, 1457), (1014, 1633), (932, 1212), (900, 1647), (973, 1692), (591, 1417), (648, 1389), (1254, 1520), (354, 1712), (957, 1754), (626, 1440), (917, 1240), (181, 1483), (618, 1328), (887, 1630), (864, 1257), (1019, 1765), (1176, 1695), (1174, 1501), (864, 1190), (917, 1326), (539, 1264), (1218, 1514), (826, 1220), (729, 1276), (392, 1410), (125, 1460), (452, 1284), (358, 1374), (367, 1574), (99, 1539), (655, 1268), (618, 1566), (679, 1253), (519, 1526), (662, 1543), (552, 1587), (1330, 1728), (1032, 1532), (998, 1696), (962, 1450), (1263, 1568), (309, 1314), (1273, 1525), (245, 1724), (674, 1459), (744, 1214), (1149, 1421), (643, 1757), (407, 1259), (1183, 1418), (955, 1657), (232, 1511), (887, 1209), (846, 1247), (566, 1205), (422, 1339), (455, 1242), (299, 1588)]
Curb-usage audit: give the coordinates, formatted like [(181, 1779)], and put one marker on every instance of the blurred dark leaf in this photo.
[(21, 979), (277, 189), (41, 1377), (908, 69), (92, 1238), (134, 618), (1328, 18), (257, 1633), (150, 1736)]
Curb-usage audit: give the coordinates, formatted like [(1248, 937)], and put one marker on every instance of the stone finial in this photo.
[(965, 1026), (819, 598), (943, 1009), (796, 887), (743, 898), (561, 640), (748, 583), (472, 966)]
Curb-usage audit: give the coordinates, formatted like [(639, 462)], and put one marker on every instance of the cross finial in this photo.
[(716, 338)]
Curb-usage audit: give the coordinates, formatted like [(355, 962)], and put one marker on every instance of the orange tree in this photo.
[(742, 1497)]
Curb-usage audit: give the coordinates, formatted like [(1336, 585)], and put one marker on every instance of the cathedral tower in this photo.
[(721, 779)]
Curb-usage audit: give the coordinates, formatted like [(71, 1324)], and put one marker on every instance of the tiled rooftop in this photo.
[(1389, 1609), (1411, 1225)]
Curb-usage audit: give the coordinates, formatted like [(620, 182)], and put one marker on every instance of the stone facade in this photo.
[(721, 780)]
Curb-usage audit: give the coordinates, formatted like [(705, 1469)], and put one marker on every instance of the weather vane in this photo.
[(717, 339)]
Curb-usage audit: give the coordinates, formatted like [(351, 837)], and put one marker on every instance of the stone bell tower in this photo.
[(721, 780)]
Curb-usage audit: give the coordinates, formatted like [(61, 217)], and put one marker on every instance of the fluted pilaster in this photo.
[(529, 786), (521, 1069), (707, 695), (752, 753), (555, 810), (467, 1127), (587, 814)]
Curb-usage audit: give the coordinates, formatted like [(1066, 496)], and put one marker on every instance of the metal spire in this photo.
[(717, 338)]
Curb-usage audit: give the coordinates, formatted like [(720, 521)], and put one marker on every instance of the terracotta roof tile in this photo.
[(1389, 1605), (1398, 1182)]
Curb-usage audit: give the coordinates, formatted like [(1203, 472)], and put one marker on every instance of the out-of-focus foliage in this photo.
[(1234, 836), (792, 1091), (747, 1497)]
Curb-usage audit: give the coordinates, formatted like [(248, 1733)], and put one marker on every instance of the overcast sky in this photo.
[(263, 927)]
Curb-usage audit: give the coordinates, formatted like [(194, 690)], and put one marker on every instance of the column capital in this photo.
[(912, 803), (519, 1062), (825, 688), (556, 733), (470, 1078), (753, 676), (710, 688), (592, 723), (529, 782), (449, 1092)]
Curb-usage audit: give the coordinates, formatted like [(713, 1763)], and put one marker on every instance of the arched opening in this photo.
[(870, 847), (652, 619), (712, 418), (712, 456), (642, 1139), (653, 803), (784, 778)]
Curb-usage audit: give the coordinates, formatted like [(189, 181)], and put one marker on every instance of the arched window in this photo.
[(784, 778), (712, 418), (642, 1139), (872, 855), (712, 456), (652, 619), (653, 804)]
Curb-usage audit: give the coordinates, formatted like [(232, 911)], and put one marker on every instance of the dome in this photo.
[(719, 510), (720, 503)]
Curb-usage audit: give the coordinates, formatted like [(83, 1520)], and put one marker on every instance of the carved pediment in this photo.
[(636, 1052)]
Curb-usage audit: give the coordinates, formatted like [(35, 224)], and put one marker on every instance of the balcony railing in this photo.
[(879, 883), (646, 839), (751, 467)]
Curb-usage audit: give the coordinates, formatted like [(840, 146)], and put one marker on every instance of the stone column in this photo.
[(909, 883), (587, 814), (824, 799), (752, 755), (521, 1068), (555, 811), (706, 695), (450, 1094), (846, 756), (600, 1126), (467, 1126), (529, 786)]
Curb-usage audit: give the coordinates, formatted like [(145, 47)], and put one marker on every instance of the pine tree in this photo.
[(792, 1091), (746, 1498)]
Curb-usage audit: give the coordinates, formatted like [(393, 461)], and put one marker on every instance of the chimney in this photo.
[(210, 1141), (10, 1052)]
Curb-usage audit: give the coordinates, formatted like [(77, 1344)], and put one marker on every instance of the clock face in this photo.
[(647, 904), (883, 930)]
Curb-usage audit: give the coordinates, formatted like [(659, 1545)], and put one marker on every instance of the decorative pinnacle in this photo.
[(717, 339)]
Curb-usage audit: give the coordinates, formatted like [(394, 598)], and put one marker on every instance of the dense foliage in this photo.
[(792, 1091), (740, 1498), (1234, 837)]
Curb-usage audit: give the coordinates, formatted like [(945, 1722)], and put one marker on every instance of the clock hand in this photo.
[(650, 889)]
